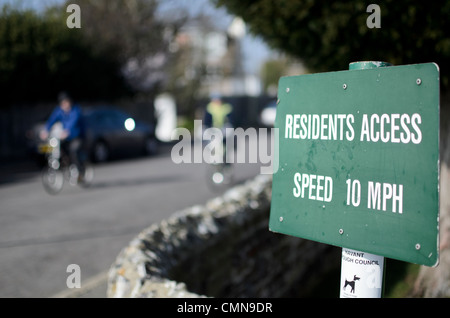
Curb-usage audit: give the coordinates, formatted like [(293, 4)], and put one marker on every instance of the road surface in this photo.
[(41, 235)]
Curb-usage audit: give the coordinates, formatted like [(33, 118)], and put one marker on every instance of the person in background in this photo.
[(218, 114), (69, 115)]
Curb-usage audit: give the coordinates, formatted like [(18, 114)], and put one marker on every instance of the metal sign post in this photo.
[(362, 274)]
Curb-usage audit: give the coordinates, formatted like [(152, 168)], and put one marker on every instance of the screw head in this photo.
[(341, 231), (344, 86), (287, 89), (417, 246), (281, 219), (418, 81)]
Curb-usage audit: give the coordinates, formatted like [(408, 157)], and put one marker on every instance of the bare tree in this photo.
[(132, 31)]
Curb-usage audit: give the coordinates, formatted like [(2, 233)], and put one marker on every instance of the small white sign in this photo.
[(361, 274)]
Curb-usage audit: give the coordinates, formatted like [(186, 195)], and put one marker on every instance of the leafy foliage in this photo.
[(133, 34), (328, 35), (121, 50), (40, 56)]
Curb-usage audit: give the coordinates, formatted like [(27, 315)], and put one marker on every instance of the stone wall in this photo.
[(435, 282), (221, 249)]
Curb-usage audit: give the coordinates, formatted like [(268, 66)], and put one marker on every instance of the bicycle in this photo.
[(220, 175), (59, 166)]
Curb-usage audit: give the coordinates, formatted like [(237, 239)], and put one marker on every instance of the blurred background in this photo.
[(127, 54), (158, 62)]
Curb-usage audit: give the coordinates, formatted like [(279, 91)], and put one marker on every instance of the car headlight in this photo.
[(130, 124)]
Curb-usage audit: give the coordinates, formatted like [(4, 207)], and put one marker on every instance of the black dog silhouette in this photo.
[(351, 283)]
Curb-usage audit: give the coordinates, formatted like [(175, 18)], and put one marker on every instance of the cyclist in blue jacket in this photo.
[(69, 115)]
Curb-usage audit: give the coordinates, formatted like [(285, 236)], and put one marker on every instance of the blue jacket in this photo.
[(71, 121)]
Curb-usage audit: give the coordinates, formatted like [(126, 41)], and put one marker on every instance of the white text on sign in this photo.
[(315, 187), (380, 196), (394, 128)]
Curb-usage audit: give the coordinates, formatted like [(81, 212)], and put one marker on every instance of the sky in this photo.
[(255, 51)]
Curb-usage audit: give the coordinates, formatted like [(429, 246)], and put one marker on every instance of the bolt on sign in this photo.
[(359, 160)]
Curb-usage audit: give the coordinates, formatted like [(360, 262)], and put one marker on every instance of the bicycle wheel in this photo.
[(87, 177), (52, 180), (220, 176)]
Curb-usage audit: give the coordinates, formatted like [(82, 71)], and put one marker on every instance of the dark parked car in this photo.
[(109, 133), (268, 114)]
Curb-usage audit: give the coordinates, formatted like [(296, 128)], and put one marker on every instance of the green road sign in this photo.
[(358, 163)]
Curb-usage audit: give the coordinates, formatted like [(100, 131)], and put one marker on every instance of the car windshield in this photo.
[(106, 117), (272, 104)]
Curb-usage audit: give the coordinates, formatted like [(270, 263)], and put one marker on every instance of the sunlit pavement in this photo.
[(41, 235)]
